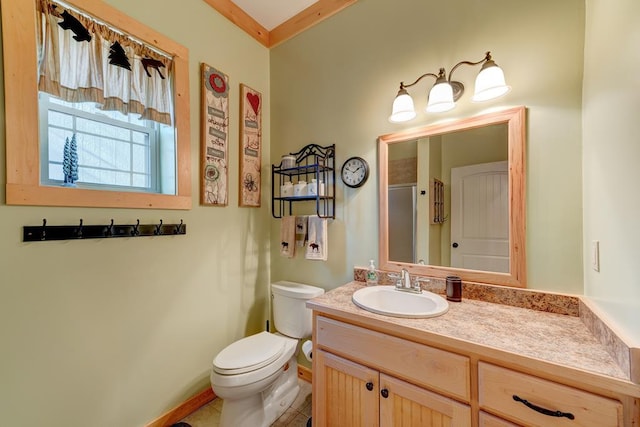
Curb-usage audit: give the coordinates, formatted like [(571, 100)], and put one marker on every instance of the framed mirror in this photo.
[(452, 199)]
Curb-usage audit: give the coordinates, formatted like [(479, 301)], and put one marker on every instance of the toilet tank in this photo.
[(290, 316)]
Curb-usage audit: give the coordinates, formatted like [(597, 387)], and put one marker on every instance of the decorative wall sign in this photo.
[(250, 146), (214, 137)]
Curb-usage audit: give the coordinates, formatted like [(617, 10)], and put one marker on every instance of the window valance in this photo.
[(84, 60)]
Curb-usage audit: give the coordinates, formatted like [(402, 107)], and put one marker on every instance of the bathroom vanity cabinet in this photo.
[(371, 370), (349, 393)]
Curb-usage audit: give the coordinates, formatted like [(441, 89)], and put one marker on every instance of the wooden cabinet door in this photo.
[(345, 393), (405, 405)]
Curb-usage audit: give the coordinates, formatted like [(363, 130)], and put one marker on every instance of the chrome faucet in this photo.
[(405, 278), (403, 283)]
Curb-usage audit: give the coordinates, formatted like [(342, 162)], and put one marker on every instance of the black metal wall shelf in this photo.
[(312, 162), (41, 233)]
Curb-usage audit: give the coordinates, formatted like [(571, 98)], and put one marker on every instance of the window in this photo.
[(115, 151), (27, 184)]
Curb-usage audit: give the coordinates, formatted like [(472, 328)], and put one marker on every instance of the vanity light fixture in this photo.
[(490, 84)]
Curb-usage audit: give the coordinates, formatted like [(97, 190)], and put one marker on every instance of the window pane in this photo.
[(140, 180), (97, 128), (140, 158), (122, 155), (87, 149), (140, 138), (60, 119), (94, 176), (110, 154), (55, 172), (57, 139), (122, 178)]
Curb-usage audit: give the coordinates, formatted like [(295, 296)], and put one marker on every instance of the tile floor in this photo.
[(296, 416)]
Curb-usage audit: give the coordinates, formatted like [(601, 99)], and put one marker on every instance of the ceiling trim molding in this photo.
[(239, 17), (306, 19)]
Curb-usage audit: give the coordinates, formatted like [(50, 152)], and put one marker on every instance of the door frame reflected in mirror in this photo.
[(515, 120)]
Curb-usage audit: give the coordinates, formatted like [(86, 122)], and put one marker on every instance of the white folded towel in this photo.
[(288, 236), (317, 246), (301, 230)]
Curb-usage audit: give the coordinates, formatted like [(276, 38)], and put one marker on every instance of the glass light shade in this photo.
[(403, 109), (490, 83), (440, 98)]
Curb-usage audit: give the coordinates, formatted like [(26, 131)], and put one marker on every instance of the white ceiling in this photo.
[(271, 13)]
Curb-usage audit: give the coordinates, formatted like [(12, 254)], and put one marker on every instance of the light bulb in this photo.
[(403, 109), (490, 83), (440, 98)]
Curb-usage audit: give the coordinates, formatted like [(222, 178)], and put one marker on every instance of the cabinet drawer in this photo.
[(487, 420), (419, 364), (498, 388)]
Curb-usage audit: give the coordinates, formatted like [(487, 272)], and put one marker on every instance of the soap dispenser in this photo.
[(372, 274)]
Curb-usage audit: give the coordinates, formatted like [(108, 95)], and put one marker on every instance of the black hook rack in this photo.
[(40, 233)]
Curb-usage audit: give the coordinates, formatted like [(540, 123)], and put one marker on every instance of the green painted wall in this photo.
[(117, 332), (335, 83), (610, 160)]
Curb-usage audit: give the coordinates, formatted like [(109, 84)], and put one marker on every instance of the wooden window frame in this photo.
[(21, 114)]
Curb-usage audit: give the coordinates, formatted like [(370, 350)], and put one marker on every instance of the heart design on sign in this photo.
[(254, 100)]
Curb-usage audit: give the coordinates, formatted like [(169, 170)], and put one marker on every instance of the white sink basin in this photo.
[(389, 301)]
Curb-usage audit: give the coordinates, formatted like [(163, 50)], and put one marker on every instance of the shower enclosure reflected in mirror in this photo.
[(452, 199)]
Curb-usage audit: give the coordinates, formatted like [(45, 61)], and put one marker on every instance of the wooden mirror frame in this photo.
[(515, 120), (21, 114)]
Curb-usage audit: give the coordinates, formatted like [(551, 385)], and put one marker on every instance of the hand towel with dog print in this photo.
[(317, 246), (288, 236)]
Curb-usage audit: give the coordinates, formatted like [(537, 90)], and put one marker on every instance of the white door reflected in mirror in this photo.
[(480, 217)]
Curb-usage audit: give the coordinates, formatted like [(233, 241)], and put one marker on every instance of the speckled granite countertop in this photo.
[(555, 338)]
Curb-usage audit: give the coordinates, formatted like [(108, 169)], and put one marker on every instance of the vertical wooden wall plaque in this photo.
[(214, 136), (250, 147)]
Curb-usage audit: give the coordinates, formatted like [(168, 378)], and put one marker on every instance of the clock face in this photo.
[(355, 172)]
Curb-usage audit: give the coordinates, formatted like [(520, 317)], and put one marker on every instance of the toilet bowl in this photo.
[(257, 376)]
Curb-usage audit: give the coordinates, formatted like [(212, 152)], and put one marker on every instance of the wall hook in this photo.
[(136, 231), (158, 229), (109, 231), (43, 233), (79, 233), (179, 228)]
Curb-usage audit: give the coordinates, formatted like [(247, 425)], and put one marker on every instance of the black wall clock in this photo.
[(355, 172)]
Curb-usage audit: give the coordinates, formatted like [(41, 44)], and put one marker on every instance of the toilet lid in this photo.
[(249, 354)]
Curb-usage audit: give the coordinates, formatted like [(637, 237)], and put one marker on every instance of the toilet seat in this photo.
[(249, 354), (222, 381)]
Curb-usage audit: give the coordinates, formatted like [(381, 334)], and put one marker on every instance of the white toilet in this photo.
[(257, 376)]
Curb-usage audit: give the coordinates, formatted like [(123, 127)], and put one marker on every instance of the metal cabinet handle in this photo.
[(542, 410), (384, 392), (455, 244), (369, 386)]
